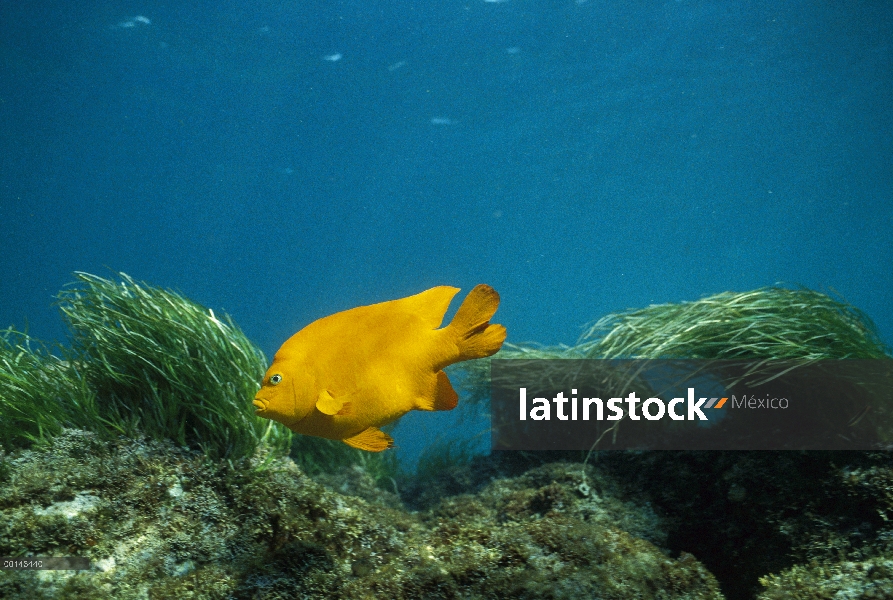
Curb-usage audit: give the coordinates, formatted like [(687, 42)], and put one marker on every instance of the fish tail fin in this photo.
[(477, 337)]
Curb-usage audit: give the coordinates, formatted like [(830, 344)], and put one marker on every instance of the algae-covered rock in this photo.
[(544, 535), (863, 580), (858, 566), (158, 521), (801, 516)]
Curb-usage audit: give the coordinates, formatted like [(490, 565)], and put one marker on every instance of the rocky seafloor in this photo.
[(157, 521)]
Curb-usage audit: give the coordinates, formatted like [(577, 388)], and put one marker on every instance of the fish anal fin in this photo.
[(445, 397), (371, 439), (329, 405)]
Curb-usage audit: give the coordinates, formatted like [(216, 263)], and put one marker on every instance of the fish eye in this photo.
[(275, 379)]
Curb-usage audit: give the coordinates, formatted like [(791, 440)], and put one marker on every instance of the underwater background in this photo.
[(280, 161)]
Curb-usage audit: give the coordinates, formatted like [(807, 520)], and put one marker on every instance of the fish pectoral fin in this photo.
[(329, 405), (445, 397), (371, 439)]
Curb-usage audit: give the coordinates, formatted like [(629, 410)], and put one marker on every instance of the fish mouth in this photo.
[(260, 404)]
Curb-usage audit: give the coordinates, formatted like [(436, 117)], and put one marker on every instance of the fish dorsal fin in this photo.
[(371, 439), (329, 405), (430, 305)]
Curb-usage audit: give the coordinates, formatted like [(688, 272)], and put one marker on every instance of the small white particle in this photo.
[(105, 564)]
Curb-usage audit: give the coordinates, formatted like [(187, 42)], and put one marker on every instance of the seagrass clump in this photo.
[(772, 322), (167, 367), (142, 361), (40, 393)]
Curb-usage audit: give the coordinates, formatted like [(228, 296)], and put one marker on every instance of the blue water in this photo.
[(284, 160)]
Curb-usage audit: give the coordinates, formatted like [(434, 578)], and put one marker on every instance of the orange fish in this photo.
[(344, 376)]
